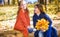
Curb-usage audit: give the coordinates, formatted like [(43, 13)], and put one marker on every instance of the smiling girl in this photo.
[(23, 21)]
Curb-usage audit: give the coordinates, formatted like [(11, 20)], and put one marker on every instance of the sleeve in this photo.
[(34, 21), (49, 19), (50, 23), (18, 25), (23, 18)]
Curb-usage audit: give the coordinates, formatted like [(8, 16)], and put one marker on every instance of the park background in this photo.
[(8, 13)]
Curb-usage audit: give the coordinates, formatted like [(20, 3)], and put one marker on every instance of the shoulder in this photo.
[(46, 15), (34, 15)]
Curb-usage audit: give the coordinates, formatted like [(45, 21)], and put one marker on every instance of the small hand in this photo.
[(28, 27), (34, 29), (43, 29)]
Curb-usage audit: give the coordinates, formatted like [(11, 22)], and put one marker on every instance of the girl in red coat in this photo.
[(23, 20)]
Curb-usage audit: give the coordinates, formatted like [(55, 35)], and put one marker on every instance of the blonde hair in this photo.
[(19, 4)]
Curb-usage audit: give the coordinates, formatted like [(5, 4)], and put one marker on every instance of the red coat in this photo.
[(22, 20)]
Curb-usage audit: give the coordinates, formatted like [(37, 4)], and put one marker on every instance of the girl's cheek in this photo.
[(38, 10), (35, 9), (24, 6)]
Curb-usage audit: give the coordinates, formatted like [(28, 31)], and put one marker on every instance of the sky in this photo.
[(31, 1)]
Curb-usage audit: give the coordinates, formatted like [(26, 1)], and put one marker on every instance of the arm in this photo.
[(18, 25), (34, 21), (48, 18), (23, 18), (50, 23)]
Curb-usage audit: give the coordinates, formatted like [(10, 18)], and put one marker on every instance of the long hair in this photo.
[(19, 8), (40, 7)]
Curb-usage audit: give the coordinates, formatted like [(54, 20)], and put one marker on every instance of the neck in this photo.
[(38, 13), (23, 10)]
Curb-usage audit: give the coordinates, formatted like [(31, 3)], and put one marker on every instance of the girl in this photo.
[(23, 20), (39, 14)]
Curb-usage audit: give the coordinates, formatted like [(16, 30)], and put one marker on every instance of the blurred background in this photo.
[(8, 13)]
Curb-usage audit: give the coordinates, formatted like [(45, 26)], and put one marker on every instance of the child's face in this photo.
[(23, 5), (36, 10)]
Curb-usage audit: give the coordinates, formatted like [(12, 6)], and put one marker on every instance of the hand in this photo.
[(34, 30), (28, 27), (43, 29)]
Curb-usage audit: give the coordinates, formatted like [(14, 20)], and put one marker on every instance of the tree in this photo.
[(41, 1), (13, 1)]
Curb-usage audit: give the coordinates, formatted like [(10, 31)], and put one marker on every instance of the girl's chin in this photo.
[(24, 8)]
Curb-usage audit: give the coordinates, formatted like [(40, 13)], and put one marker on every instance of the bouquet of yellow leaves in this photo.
[(42, 25)]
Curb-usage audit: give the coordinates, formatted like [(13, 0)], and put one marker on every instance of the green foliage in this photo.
[(2, 13), (30, 5)]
